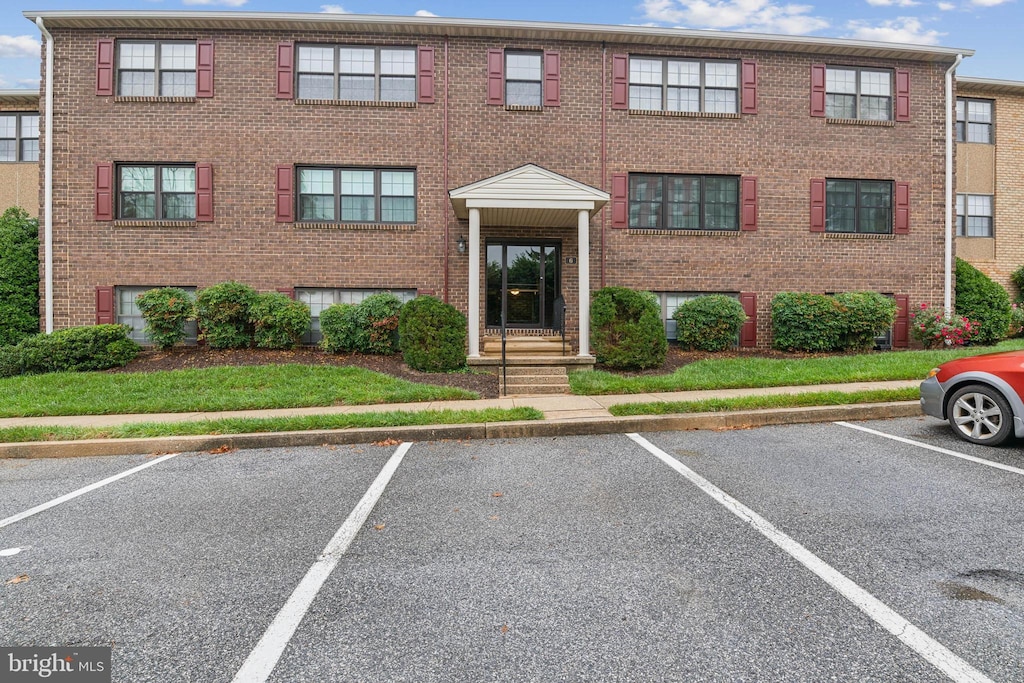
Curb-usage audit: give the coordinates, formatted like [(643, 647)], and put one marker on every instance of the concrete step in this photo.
[(535, 389), (518, 346), (526, 380), (535, 371)]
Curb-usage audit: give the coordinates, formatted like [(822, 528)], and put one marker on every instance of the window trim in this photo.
[(156, 70), (313, 334), (157, 190), (965, 122), (139, 335), (506, 80), (738, 90), (662, 224), (377, 194), (19, 138), (857, 95), (961, 227), (857, 207), (337, 73)]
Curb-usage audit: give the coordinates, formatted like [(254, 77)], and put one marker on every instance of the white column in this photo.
[(474, 283), (584, 265)]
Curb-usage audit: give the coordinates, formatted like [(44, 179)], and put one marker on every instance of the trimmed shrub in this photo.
[(626, 329), (165, 310), (865, 315), (75, 349), (278, 321), (433, 335), (1017, 277), (378, 317), (222, 312), (806, 322), (339, 325), (982, 301), (709, 323), (19, 276), (10, 361)]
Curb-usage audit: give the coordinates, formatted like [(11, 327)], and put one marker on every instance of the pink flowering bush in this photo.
[(933, 329), (1016, 320)]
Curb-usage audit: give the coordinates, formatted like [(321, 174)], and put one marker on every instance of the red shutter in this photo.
[(285, 212), (287, 291), (749, 98), (901, 327), (901, 219), (105, 306), (620, 81), (817, 205), (104, 192), (748, 200), (204, 192), (496, 76), (902, 95), (425, 69), (748, 333), (105, 67), (817, 90), (204, 68), (285, 71), (552, 79), (620, 200)]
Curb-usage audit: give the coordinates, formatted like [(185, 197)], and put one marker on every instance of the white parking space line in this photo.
[(932, 651), (82, 491), (264, 657), (937, 449)]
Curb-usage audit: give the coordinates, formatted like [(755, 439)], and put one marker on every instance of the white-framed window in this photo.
[(670, 301), (523, 78), (152, 69), (19, 137), (685, 85), (128, 313), (356, 195), (852, 93), (974, 215), (320, 298), (362, 73), (974, 120)]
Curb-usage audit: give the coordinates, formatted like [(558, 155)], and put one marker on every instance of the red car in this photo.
[(981, 396)]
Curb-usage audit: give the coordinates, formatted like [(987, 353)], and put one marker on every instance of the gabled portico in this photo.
[(538, 199)]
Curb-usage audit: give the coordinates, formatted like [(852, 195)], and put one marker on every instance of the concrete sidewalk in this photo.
[(558, 408)]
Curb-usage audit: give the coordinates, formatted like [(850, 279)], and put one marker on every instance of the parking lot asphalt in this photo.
[(547, 559)]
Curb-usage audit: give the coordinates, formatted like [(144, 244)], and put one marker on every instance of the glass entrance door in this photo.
[(522, 282)]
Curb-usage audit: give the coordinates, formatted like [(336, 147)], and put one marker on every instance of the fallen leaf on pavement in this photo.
[(387, 442), (379, 527), (220, 450), (497, 494), (20, 578), (504, 629)]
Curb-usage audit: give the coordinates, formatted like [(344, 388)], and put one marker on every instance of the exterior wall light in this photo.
[(461, 245)]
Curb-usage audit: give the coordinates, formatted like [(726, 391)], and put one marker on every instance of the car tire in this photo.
[(979, 414)]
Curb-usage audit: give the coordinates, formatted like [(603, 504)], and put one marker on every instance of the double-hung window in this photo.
[(683, 85), (974, 215), (157, 192), (19, 137), (973, 120), (684, 202), (362, 74), (320, 299), (128, 313), (858, 94), (356, 195), (859, 206), (156, 69), (523, 78)]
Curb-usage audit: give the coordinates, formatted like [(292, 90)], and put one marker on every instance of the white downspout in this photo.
[(950, 122), (48, 180)]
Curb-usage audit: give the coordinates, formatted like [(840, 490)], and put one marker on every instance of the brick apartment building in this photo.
[(989, 166), (19, 150), (499, 165)]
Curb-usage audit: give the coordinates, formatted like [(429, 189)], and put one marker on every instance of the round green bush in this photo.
[(339, 325), (19, 276), (709, 323), (626, 329), (165, 310), (806, 322), (865, 316), (278, 321), (77, 349), (1017, 277), (983, 301), (433, 335), (222, 312), (378, 316)]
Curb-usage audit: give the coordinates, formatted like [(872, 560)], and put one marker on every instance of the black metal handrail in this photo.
[(504, 364)]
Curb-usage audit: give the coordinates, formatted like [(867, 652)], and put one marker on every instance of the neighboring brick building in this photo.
[(989, 168), (19, 150), (333, 155)]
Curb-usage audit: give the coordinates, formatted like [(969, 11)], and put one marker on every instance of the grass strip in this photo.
[(741, 372), (717, 405), (210, 390), (248, 425)]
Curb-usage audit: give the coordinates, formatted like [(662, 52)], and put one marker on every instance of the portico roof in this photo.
[(528, 196)]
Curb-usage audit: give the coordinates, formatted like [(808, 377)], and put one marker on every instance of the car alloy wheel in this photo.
[(981, 415)]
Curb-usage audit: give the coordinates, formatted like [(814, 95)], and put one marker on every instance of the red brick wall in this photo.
[(244, 131)]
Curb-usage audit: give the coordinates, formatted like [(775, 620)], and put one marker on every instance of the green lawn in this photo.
[(738, 372), (209, 389), (818, 398), (273, 424)]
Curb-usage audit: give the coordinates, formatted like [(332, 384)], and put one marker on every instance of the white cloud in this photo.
[(900, 30), (891, 3), (946, 6), (988, 3), (425, 13), (333, 9), (764, 16), (28, 82), (229, 3), (19, 46)]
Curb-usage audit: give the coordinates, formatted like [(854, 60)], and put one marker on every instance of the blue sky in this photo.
[(991, 27)]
